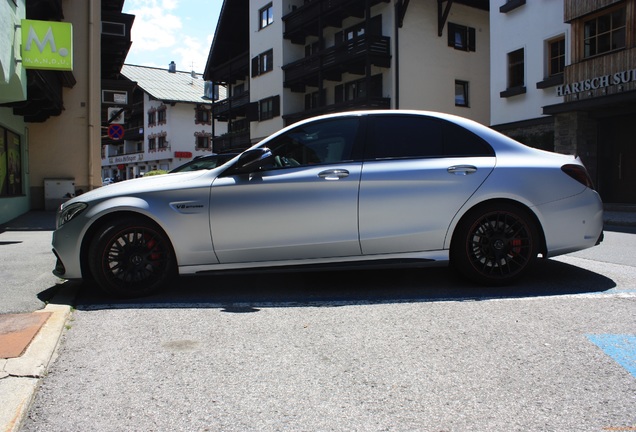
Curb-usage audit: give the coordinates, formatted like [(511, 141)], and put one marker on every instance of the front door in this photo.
[(305, 206), (617, 147)]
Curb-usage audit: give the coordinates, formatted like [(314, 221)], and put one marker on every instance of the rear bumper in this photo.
[(573, 223)]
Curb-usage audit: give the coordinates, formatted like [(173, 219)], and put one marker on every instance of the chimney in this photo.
[(172, 67)]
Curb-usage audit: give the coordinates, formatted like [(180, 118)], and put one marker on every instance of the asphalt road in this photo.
[(393, 350)]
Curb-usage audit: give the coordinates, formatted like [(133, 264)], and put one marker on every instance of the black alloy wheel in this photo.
[(495, 244), (131, 258)]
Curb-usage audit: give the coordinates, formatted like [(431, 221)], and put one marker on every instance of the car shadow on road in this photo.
[(249, 292)]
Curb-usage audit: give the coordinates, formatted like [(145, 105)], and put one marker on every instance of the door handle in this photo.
[(462, 169), (333, 174)]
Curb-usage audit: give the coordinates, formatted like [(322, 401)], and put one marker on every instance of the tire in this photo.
[(495, 244), (131, 257)]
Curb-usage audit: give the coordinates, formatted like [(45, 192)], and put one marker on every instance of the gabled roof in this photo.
[(168, 86)]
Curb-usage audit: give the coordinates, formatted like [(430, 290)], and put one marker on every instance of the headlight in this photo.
[(69, 212)]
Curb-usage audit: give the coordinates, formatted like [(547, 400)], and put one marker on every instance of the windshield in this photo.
[(204, 162)]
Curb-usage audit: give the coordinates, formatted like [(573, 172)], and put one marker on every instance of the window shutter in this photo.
[(471, 39), (269, 61), (375, 26), (252, 112), (339, 93), (339, 37), (255, 71), (276, 106), (451, 35)]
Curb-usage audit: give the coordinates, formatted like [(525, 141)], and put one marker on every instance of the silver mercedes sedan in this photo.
[(360, 188)]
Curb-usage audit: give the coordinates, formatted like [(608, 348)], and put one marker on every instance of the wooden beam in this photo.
[(442, 16)]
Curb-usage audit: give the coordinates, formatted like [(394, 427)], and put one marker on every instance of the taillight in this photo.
[(578, 173)]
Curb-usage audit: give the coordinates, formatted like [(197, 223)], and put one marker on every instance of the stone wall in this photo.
[(576, 133)]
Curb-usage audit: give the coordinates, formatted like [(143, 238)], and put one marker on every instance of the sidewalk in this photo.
[(29, 341)]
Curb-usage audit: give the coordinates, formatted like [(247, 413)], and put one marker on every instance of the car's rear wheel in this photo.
[(495, 244), (131, 257)]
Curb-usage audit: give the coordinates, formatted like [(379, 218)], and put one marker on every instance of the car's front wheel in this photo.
[(495, 244), (131, 257)]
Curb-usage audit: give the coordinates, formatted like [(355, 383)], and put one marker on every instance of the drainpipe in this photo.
[(398, 12), (90, 99)]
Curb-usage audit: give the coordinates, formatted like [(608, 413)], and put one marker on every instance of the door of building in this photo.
[(617, 149)]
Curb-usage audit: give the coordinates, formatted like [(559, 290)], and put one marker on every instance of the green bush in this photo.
[(155, 172)]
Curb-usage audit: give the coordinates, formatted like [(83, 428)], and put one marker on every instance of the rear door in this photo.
[(418, 172)]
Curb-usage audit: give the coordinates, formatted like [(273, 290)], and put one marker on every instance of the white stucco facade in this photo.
[(428, 66), (528, 27), (173, 130)]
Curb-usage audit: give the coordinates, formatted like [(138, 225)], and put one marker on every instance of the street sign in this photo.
[(116, 115), (115, 131)]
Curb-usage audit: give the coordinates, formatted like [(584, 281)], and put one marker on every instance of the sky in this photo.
[(172, 30)]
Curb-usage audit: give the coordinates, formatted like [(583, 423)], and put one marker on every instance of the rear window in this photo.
[(418, 136)]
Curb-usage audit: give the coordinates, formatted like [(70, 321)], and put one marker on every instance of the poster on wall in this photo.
[(3, 163), (14, 159)]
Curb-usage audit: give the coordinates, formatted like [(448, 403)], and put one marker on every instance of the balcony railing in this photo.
[(349, 56), (227, 108), (305, 20), (233, 141), (371, 102), (231, 71)]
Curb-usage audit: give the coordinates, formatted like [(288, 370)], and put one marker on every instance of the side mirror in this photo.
[(253, 160)]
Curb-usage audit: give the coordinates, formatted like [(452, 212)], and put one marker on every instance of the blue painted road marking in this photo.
[(622, 348)]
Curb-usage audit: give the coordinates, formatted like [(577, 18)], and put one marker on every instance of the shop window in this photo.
[(604, 33), (461, 37), (10, 163), (461, 93), (266, 16)]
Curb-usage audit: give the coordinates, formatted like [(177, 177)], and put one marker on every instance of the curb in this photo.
[(20, 377)]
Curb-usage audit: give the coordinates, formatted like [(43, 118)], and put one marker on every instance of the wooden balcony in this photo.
[(310, 18), (233, 141), (350, 56), (236, 69), (232, 107), (371, 102), (596, 76)]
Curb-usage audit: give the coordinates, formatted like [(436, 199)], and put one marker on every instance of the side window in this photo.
[(400, 137), (461, 142), (328, 141), (395, 137)]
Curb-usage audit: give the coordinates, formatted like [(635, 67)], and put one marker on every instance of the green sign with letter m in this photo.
[(47, 45)]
